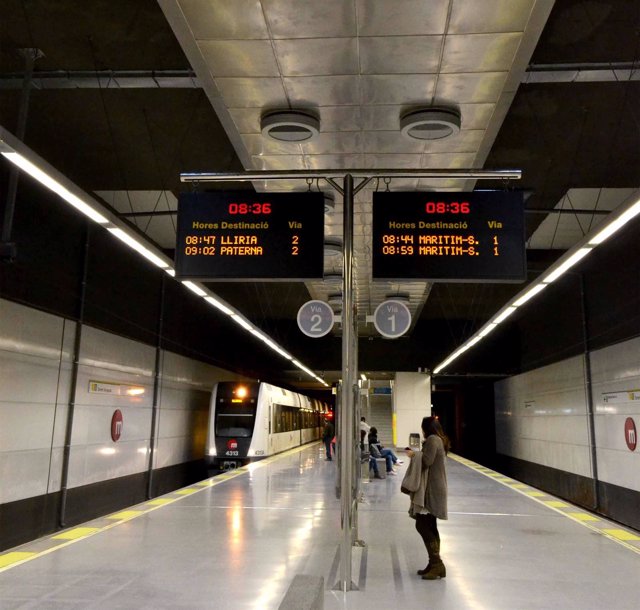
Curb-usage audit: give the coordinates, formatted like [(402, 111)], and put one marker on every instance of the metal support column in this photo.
[(348, 381), (591, 421)]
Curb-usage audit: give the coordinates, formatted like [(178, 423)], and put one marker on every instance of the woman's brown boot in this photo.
[(436, 568)]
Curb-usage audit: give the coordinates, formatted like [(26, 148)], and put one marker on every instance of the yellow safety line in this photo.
[(616, 535), (12, 559)]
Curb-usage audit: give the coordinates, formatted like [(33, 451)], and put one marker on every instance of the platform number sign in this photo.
[(315, 318), (392, 318)]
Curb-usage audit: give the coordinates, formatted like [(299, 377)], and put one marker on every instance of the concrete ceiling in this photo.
[(128, 95)]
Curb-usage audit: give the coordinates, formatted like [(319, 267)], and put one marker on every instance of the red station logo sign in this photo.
[(630, 435), (116, 425)]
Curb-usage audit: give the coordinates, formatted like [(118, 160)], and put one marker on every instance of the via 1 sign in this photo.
[(630, 434), (116, 425), (392, 318)]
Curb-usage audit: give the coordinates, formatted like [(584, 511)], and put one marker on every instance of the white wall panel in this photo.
[(25, 427), (95, 463), (35, 360), (541, 417), (172, 451), (105, 350), (616, 374), (36, 352), (24, 474)]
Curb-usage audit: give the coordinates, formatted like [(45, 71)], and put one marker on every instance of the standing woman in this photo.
[(429, 501)]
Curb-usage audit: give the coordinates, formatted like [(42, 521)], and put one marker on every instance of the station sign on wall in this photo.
[(240, 235), (455, 237)]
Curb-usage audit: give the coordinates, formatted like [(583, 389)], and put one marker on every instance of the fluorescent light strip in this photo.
[(195, 288), (46, 180), (240, 320), (221, 306), (577, 256), (138, 247), (505, 314), (616, 224), (9, 143), (304, 368), (485, 331), (570, 262), (529, 294), (275, 347)]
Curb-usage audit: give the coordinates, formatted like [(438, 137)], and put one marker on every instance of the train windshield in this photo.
[(235, 411)]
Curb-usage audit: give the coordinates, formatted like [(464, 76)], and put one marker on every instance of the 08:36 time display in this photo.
[(249, 208), (447, 207)]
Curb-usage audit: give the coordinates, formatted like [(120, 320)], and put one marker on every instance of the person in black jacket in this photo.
[(327, 436)]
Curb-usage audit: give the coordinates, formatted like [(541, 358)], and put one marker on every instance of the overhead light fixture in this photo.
[(329, 203), (402, 298), (564, 267), (335, 299), (18, 153), (529, 294), (332, 278), (332, 247), (289, 125), (138, 247), (433, 123), (616, 224)]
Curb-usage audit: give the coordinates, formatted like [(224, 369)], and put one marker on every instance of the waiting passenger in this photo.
[(327, 436), (426, 480), (364, 430), (373, 465), (377, 450)]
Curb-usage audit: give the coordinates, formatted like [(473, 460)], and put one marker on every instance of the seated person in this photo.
[(373, 465), (376, 448)]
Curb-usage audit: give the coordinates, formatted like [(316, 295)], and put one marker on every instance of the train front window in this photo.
[(235, 419)]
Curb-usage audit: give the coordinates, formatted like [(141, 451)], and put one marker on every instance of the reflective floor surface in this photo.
[(236, 542)]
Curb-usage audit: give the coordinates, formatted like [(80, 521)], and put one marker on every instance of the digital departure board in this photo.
[(453, 237), (242, 235)]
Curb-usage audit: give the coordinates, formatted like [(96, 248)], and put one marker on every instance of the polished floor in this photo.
[(236, 542)]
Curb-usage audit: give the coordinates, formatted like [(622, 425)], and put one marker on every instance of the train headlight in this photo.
[(212, 450)]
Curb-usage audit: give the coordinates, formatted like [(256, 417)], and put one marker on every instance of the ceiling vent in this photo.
[(332, 247), (430, 123), (289, 125), (402, 297)]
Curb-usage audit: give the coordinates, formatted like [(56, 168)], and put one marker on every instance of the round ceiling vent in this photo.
[(430, 123), (289, 125)]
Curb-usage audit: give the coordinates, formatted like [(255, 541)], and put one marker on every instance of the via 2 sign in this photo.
[(630, 434)]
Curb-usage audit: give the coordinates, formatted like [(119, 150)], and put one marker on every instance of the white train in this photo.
[(250, 421)]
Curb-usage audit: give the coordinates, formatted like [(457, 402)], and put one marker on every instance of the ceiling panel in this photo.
[(401, 17), (317, 56), (252, 92), (480, 52), (311, 91), (471, 88), (489, 16), (240, 57), (295, 19), (400, 54), (407, 89), (221, 19)]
